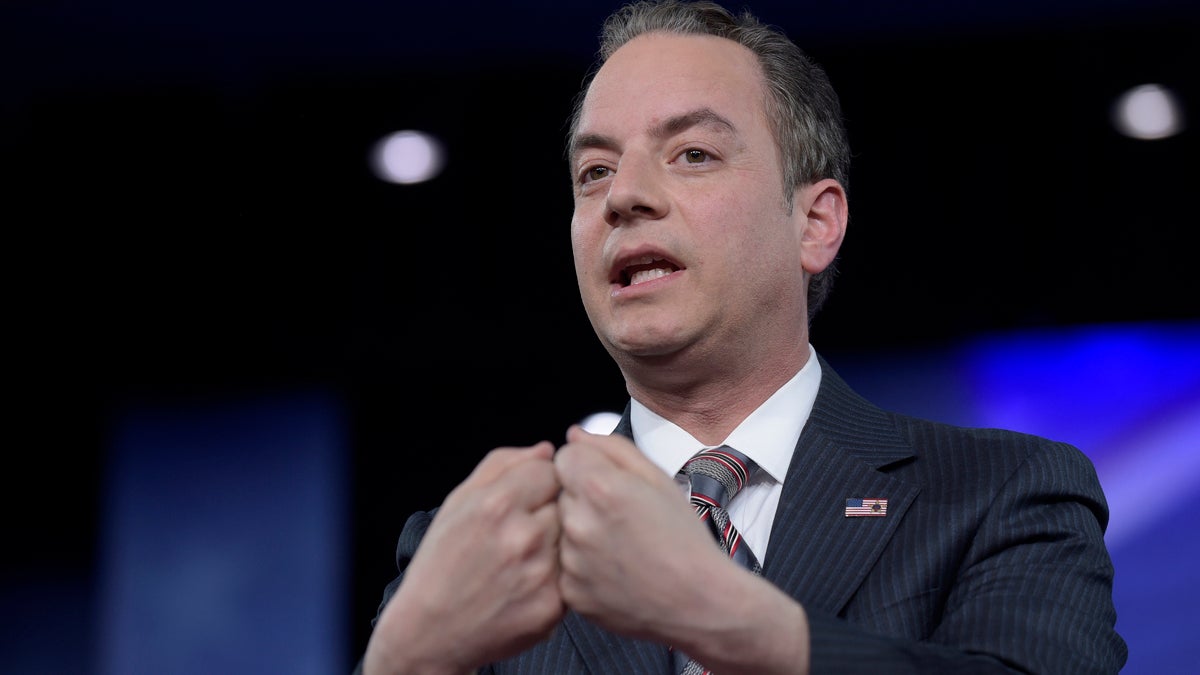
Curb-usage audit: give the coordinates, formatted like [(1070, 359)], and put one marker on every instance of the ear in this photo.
[(822, 211)]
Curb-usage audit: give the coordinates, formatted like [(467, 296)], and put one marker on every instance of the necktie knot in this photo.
[(718, 474)]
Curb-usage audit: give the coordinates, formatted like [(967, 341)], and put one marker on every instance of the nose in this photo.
[(636, 191)]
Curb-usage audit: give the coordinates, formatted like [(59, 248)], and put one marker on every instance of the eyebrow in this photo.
[(706, 117)]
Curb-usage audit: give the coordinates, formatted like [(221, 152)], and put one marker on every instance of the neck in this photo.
[(710, 403)]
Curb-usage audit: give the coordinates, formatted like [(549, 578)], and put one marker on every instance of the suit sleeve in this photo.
[(1033, 594), (410, 537)]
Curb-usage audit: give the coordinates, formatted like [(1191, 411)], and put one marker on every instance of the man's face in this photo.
[(683, 241)]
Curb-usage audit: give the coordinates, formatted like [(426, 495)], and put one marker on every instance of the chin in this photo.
[(646, 343)]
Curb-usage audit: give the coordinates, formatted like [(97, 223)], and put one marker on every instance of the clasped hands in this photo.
[(595, 527)]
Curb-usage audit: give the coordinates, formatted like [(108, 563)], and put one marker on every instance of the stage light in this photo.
[(600, 423), (407, 157), (1148, 112)]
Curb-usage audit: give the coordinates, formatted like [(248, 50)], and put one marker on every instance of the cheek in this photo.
[(762, 245), (746, 227), (579, 242), (585, 249)]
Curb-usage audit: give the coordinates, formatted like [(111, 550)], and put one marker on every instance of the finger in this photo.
[(530, 484), (548, 520), (577, 464), (507, 479), (498, 461), (576, 433)]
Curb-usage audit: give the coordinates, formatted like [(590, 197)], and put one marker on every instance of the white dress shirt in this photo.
[(768, 436)]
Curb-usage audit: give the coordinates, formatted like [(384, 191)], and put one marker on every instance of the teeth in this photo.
[(644, 260), (648, 275)]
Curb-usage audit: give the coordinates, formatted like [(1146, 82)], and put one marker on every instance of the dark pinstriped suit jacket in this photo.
[(991, 556)]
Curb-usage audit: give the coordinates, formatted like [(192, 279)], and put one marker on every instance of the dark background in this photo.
[(190, 215)]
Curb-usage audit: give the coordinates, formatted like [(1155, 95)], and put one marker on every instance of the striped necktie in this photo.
[(716, 476)]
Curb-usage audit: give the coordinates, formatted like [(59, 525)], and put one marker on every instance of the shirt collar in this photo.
[(768, 435)]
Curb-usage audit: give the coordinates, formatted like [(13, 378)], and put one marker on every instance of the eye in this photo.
[(695, 156), (595, 173)]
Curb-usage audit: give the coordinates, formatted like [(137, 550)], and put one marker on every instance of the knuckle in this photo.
[(495, 504), (519, 539), (598, 491)]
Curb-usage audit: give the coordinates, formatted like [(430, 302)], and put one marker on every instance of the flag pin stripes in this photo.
[(856, 508)]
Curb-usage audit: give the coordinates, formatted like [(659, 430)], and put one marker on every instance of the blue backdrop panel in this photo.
[(223, 545)]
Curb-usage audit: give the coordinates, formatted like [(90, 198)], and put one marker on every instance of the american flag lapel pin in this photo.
[(857, 508)]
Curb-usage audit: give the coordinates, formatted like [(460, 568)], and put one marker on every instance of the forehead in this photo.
[(657, 75)]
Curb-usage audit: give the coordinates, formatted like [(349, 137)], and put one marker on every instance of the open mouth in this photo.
[(646, 269)]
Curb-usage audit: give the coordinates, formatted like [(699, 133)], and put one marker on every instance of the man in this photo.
[(709, 165)]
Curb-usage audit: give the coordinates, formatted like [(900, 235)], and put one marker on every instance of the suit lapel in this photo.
[(818, 555)]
